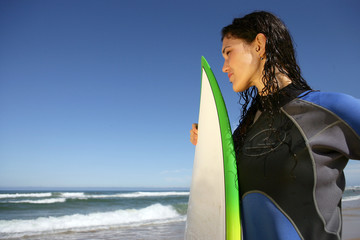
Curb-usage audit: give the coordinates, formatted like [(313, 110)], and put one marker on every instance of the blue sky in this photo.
[(103, 93)]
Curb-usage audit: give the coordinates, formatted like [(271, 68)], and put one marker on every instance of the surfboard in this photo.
[(213, 207)]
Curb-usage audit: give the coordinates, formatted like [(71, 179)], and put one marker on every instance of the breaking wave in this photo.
[(156, 213)]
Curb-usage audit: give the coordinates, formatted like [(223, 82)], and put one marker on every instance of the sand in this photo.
[(351, 224)]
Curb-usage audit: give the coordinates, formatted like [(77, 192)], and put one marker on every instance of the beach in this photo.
[(351, 224), (175, 231), (113, 215)]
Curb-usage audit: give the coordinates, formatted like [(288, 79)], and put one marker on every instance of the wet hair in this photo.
[(280, 56)]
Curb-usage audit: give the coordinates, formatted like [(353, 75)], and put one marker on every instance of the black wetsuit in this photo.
[(291, 176)]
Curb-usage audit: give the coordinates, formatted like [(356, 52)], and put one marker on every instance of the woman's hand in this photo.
[(194, 134)]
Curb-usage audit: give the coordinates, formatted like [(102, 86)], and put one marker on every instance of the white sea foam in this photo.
[(82, 195), (73, 195), (352, 188), (25, 195), (41, 201), (124, 195), (145, 194), (352, 193), (351, 198), (58, 197), (152, 214)]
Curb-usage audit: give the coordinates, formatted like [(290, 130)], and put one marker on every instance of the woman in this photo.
[(292, 143)]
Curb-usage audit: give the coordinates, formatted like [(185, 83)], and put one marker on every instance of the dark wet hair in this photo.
[(280, 55)]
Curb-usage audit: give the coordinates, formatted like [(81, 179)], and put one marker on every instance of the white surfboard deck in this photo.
[(206, 209), (213, 208)]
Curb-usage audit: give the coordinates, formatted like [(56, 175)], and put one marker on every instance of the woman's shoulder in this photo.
[(343, 105), (332, 100)]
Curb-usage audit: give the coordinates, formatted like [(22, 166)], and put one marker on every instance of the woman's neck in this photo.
[(282, 81)]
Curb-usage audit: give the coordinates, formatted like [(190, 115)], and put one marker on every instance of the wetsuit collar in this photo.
[(284, 96)]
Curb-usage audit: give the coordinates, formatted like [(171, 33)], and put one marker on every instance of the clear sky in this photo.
[(100, 93)]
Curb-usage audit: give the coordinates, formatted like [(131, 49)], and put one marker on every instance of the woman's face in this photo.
[(242, 63)]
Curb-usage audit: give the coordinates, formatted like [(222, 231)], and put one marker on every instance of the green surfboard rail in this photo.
[(232, 208)]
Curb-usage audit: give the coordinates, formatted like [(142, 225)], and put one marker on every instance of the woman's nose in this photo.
[(225, 67)]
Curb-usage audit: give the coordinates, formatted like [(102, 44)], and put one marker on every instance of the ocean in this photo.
[(93, 214), (58, 215)]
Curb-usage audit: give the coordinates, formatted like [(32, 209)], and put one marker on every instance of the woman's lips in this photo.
[(229, 75)]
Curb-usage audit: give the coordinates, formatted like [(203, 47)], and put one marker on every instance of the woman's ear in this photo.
[(260, 43)]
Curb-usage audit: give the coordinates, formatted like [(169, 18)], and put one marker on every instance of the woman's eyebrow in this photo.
[(223, 51)]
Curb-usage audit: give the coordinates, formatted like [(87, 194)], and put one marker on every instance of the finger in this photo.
[(193, 140), (195, 128)]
